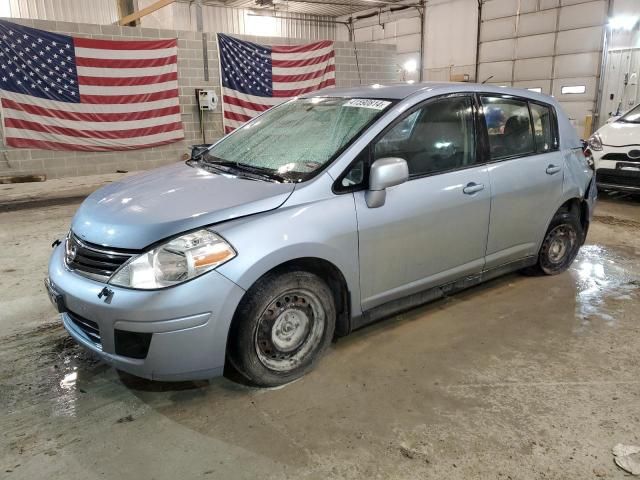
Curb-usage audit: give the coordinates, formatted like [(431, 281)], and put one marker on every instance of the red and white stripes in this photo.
[(128, 100), (296, 70)]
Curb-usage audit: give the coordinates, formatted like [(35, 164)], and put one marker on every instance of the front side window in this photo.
[(509, 127), (441, 137), (296, 139), (400, 132), (543, 128)]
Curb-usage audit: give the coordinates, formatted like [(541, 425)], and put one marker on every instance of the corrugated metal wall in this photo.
[(179, 16), (246, 22), (621, 86), (81, 11)]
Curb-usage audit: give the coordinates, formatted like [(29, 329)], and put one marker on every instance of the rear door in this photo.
[(526, 174)]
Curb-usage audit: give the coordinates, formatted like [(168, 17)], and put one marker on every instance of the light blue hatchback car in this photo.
[(317, 217)]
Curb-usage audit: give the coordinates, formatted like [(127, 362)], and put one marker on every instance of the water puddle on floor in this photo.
[(44, 366), (605, 280)]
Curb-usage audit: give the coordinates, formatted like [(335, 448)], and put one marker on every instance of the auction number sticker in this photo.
[(367, 103)]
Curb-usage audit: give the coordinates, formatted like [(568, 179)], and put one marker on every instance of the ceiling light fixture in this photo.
[(623, 22), (410, 66)]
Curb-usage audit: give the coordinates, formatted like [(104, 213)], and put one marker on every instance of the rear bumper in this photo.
[(591, 197), (187, 325)]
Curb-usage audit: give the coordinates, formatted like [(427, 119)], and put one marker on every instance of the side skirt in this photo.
[(407, 303)]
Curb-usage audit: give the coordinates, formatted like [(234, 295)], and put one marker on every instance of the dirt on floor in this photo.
[(521, 378)]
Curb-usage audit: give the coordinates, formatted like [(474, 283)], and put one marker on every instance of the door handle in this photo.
[(472, 187), (551, 169)]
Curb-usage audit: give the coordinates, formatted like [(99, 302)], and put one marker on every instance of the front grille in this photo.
[(94, 261), (88, 327), (618, 177), (622, 157)]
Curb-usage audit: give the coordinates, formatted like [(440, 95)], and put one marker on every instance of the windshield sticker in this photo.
[(367, 103)]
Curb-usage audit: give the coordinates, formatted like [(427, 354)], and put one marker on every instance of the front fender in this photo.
[(324, 229)]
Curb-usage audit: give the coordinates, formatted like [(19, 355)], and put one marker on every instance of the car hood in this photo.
[(142, 209), (619, 134)]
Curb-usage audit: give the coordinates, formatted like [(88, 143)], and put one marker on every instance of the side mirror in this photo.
[(198, 150), (385, 173)]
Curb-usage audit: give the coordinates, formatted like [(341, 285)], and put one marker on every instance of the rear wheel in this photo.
[(283, 325), (560, 245)]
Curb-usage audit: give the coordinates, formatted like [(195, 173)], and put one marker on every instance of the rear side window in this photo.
[(509, 127), (543, 128)]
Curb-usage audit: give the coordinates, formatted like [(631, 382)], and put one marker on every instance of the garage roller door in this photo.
[(553, 46)]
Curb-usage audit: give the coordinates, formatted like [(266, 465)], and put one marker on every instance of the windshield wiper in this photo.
[(243, 167)]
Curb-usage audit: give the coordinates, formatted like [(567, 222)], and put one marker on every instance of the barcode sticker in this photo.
[(367, 103)]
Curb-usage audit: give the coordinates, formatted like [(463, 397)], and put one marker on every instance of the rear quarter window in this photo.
[(545, 127)]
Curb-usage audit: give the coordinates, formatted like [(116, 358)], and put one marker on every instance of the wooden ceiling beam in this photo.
[(145, 11)]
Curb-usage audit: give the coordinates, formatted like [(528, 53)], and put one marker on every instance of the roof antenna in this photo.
[(487, 79)]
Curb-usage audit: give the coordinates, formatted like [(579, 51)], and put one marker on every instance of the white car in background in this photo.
[(616, 153)]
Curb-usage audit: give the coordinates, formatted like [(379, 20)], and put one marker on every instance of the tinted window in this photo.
[(543, 128), (401, 132), (509, 127), (441, 137)]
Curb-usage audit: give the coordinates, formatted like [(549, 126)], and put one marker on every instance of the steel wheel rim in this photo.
[(289, 329), (561, 241)]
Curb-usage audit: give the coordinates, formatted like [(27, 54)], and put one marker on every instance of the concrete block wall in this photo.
[(397, 27), (377, 65), (365, 63)]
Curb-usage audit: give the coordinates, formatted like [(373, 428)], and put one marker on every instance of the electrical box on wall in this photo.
[(459, 77), (207, 99)]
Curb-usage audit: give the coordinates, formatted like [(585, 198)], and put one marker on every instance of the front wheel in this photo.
[(560, 245), (281, 328)]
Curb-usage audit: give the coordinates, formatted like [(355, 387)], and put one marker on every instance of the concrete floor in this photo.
[(519, 378)]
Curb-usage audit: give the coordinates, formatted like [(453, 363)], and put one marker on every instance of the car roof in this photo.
[(400, 91)]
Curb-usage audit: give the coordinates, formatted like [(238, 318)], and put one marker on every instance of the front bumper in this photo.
[(616, 170), (187, 324)]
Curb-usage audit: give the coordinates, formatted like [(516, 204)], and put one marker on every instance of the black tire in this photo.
[(281, 328), (560, 245)]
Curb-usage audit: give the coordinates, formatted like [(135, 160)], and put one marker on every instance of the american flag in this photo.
[(69, 93), (257, 77)]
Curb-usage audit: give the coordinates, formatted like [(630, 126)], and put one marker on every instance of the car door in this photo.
[(526, 174), (433, 228)]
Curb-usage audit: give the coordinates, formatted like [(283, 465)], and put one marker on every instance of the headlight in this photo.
[(595, 142), (176, 261)]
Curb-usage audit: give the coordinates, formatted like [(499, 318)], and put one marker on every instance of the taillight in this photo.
[(588, 155)]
